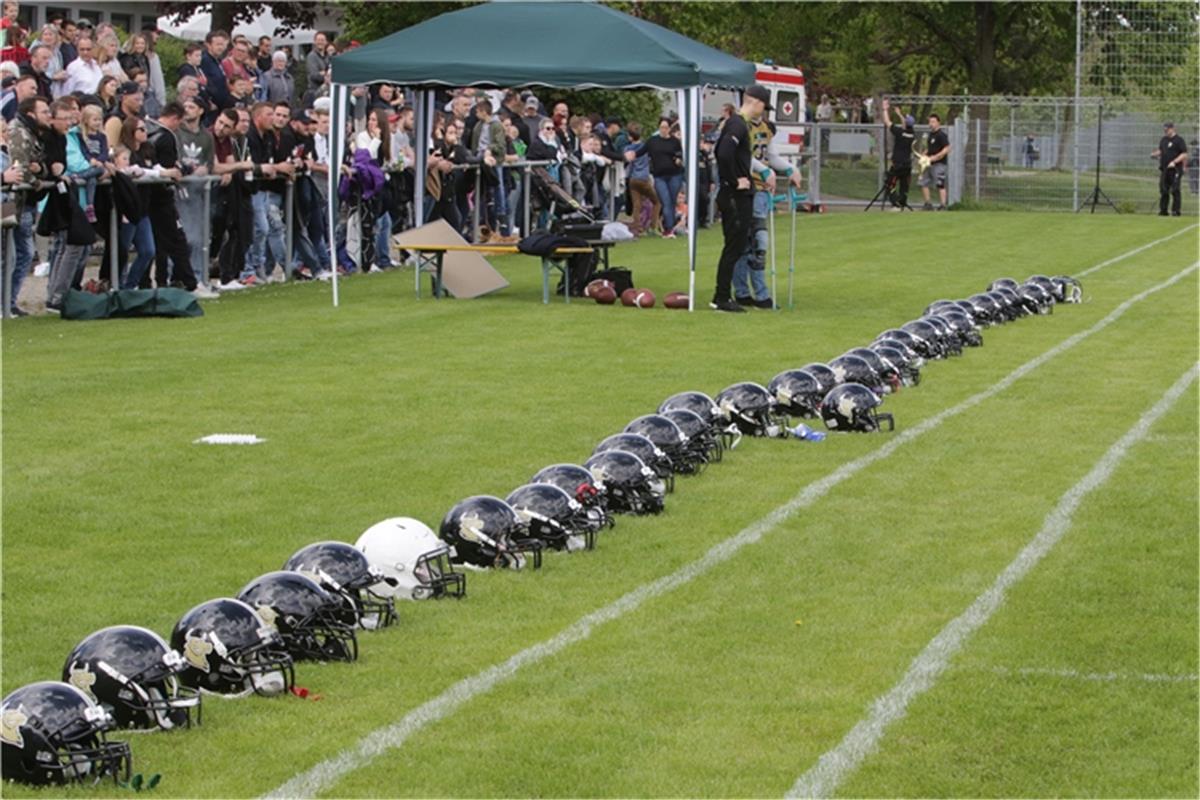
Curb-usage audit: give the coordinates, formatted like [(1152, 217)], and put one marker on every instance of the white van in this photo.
[(786, 85)]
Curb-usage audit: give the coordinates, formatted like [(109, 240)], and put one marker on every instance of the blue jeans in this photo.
[(312, 199), (141, 235), (667, 189), (383, 240), (268, 234), (23, 244), (514, 205), (745, 275)]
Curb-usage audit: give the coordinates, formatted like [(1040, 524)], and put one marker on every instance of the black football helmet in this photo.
[(633, 488), (851, 407), (650, 454), (897, 359), (1036, 299), (925, 339), (315, 624), (229, 649), (937, 305), (699, 403), (797, 393), (948, 338), (485, 531), (52, 734), (668, 437), (963, 325), (986, 310), (343, 570), (1067, 289), (554, 517), (889, 375), (134, 676), (1002, 283), (1044, 281), (580, 484), (752, 409), (704, 446), (825, 377), (852, 369)]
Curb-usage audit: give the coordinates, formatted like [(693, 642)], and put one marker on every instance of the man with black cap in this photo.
[(900, 172), (1172, 158), (129, 104), (735, 199)]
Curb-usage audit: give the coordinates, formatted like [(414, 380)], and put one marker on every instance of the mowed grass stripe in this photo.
[(1134, 252), (722, 689), (823, 779), (327, 773), (1110, 619)]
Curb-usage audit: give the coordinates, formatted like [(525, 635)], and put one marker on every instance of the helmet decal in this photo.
[(11, 721), (846, 406), (268, 614), (471, 527), (195, 652), (83, 679)]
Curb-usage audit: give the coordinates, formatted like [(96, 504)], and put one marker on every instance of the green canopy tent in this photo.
[(572, 45)]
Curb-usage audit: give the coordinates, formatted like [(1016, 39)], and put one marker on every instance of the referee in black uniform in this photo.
[(735, 199), (1172, 158)]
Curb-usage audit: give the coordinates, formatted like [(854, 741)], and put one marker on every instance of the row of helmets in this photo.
[(129, 677)]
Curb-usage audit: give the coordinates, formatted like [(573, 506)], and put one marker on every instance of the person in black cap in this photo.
[(735, 198), (900, 172), (1172, 155)]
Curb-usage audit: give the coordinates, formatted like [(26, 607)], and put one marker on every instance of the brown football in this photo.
[(643, 298), (604, 295), (676, 300), (599, 283), (627, 296)]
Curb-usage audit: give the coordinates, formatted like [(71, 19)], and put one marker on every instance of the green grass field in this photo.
[(1083, 683)]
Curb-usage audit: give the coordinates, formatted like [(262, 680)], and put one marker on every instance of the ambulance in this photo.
[(786, 85)]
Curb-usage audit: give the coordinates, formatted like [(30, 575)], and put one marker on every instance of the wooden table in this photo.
[(429, 258)]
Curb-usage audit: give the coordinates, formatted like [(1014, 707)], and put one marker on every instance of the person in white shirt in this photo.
[(83, 74)]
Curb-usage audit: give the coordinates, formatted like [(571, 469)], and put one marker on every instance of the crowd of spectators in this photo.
[(93, 128)]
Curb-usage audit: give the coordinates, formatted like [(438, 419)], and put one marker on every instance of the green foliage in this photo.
[(170, 53), (643, 105), (367, 22)]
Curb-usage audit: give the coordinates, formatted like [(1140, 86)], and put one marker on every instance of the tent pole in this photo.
[(337, 135), (422, 119), (691, 138)]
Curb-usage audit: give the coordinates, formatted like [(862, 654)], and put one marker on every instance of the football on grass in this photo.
[(627, 296), (643, 298), (676, 300), (604, 295), (596, 285)]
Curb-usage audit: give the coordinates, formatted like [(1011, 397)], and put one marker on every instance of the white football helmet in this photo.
[(415, 562)]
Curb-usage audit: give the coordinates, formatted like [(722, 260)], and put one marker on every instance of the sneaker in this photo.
[(232, 286), (744, 301), (927, 207), (941, 208), (324, 275), (19, 312), (90, 213), (670, 235), (249, 282), (374, 269), (204, 292), (53, 308), (726, 305), (302, 274), (41, 270), (766, 303)]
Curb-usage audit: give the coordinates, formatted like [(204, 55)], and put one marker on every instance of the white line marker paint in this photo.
[(834, 766), (229, 438), (1099, 677), (1133, 252), (325, 774)]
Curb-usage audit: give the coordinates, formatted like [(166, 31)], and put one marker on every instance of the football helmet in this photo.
[(484, 531), (314, 624), (579, 483), (889, 375), (797, 392), (134, 676), (1002, 283), (552, 516), (650, 454), (926, 339), (704, 446), (963, 325), (826, 380), (1010, 303), (1067, 289), (936, 306), (752, 409), (851, 407), (898, 359), (414, 563), (986, 310), (852, 369), (52, 733), (948, 338), (633, 487), (668, 437), (699, 403), (1036, 298), (1044, 281), (345, 571), (229, 649), (900, 344)]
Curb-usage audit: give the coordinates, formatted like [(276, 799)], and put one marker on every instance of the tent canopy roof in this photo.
[(574, 45)]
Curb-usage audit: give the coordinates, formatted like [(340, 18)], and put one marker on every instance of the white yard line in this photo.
[(1133, 252), (834, 766), (1097, 677), (325, 774)]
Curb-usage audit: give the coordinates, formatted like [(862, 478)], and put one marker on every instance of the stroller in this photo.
[(555, 202)]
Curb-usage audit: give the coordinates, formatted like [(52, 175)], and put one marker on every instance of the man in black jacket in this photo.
[(735, 198), (1172, 158), (170, 242)]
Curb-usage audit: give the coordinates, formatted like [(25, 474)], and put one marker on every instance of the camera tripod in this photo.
[(885, 193)]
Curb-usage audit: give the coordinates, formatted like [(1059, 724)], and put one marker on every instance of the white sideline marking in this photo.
[(324, 774), (1133, 252), (831, 768), (1100, 677)]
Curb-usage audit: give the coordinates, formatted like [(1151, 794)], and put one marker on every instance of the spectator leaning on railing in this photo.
[(27, 149)]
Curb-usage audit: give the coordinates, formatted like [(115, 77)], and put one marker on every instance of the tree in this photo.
[(226, 16)]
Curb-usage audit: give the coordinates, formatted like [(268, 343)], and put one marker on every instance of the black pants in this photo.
[(1169, 189), (233, 228), (169, 241), (897, 179), (737, 218)]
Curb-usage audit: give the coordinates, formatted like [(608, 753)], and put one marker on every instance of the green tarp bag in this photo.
[(130, 303)]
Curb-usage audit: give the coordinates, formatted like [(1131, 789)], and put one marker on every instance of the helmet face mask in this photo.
[(633, 488), (704, 445), (229, 649), (852, 407), (315, 624), (484, 531), (133, 675), (670, 438), (752, 409), (413, 562), (343, 570), (552, 516), (581, 485), (53, 734), (650, 454)]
